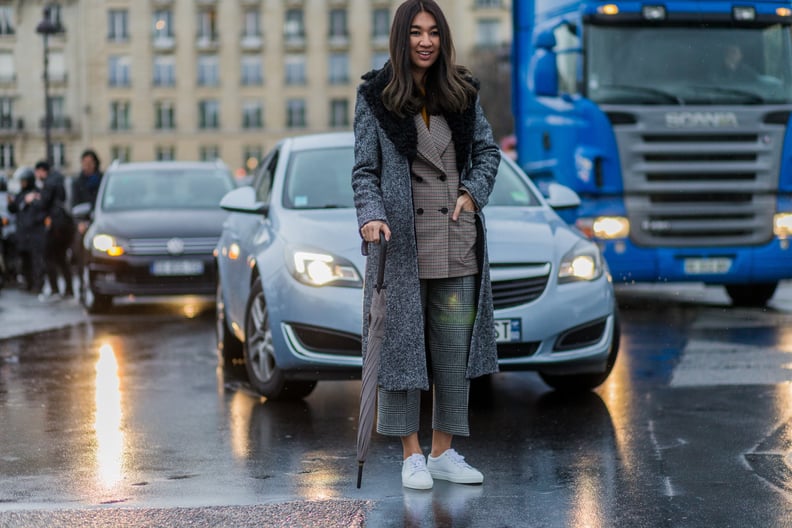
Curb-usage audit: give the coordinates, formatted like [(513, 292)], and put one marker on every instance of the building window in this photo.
[(164, 115), (294, 27), (58, 109), (7, 156), (295, 113), (338, 68), (165, 153), (489, 3), (59, 154), (295, 69), (487, 33), (7, 69), (209, 153), (379, 59), (252, 70), (122, 153), (252, 114), (118, 70), (119, 115), (163, 24), (117, 25), (208, 70), (164, 70), (6, 113), (380, 24), (252, 154), (56, 17), (56, 67), (207, 25), (251, 23), (338, 24), (339, 113), (6, 20), (209, 114)]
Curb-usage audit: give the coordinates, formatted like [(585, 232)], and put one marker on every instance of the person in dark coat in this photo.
[(60, 229), (85, 188), (30, 231), (425, 165)]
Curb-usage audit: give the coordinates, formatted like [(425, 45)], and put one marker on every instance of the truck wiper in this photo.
[(753, 97), (645, 89)]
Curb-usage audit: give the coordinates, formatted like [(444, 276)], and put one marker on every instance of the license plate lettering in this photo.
[(177, 267), (703, 266), (507, 330)]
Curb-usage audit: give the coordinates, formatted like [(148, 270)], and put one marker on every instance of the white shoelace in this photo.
[(458, 459), (416, 463)]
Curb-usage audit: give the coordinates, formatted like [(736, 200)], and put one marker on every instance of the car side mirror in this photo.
[(82, 211), (243, 200), (561, 197)]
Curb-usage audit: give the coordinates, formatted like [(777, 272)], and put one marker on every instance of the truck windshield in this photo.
[(689, 65)]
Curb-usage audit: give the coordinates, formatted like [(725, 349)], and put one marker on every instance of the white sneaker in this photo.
[(451, 466), (414, 473)]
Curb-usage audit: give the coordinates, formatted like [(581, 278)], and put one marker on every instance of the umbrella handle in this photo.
[(360, 474), (380, 285)]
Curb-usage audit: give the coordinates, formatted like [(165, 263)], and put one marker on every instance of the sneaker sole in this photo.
[(441, 475), (418, 486)]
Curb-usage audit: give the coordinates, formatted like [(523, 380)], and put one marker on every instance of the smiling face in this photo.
[(424, 44)]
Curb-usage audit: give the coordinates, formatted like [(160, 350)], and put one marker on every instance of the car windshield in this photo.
[(320, 179), (165, 189), (689, 65)]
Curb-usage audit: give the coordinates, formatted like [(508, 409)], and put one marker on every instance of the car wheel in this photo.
[(230, 352), (263, 372), (94, 303), (751, 295), (587, 382)]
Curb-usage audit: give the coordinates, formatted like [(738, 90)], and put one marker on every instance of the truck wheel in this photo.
[(753, 295), (263, 372), (586, 382)]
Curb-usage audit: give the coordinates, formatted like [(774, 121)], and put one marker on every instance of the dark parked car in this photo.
[(153, 230)]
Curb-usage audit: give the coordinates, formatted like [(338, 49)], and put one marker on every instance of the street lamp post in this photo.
[(46, 28)]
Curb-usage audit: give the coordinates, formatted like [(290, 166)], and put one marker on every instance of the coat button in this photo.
[(443, 177), (419, 211), (444, 210), (419, 179)]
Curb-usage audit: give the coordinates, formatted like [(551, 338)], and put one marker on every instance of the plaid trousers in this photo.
[(450, 309)]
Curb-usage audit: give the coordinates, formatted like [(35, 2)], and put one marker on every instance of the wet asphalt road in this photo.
[(126, 420)]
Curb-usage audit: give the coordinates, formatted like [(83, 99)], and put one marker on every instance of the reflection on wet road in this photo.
[(691, 429)]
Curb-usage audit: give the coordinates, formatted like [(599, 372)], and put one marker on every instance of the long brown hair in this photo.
[(447, 89)]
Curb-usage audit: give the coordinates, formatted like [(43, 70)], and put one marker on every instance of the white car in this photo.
[(289, 264)]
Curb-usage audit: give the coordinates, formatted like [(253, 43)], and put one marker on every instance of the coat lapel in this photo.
[(427, 146)]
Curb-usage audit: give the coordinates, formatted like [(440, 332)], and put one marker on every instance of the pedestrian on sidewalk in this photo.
[(60, 230), (30, 230), (85, 188), (425, 164)]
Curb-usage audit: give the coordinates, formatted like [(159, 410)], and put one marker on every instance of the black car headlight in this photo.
[(317, 268), (107, 245), (582, 263)]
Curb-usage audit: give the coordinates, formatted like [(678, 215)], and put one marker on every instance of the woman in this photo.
[(425, 164)]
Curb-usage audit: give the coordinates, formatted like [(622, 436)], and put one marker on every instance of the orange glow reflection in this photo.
[(240, 409), (109, 437)]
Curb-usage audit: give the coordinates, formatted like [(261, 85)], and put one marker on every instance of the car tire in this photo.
[(586, 382), (230, 353), (263, 372), (751, 295), (94, 303)]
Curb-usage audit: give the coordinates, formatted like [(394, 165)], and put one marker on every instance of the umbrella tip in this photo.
[(360, 474)]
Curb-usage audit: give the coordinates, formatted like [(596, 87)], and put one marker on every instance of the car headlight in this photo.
[(323, 269), (107, 245), (582, 263), (782, 225), (604, 227)]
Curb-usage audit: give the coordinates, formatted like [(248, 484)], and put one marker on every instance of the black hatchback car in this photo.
[(153, 231)]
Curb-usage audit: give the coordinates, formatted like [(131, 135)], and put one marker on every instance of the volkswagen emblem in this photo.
[(175, 246)]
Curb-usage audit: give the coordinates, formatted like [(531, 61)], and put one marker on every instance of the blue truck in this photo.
[(671, 121)]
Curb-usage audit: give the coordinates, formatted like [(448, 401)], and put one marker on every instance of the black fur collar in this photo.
[(402, 132)]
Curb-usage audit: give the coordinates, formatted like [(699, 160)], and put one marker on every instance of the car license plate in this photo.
[(177, 267), (701, 266), (507, 330)]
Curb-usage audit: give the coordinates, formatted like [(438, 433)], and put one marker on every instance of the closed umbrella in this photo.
[(371, 362)]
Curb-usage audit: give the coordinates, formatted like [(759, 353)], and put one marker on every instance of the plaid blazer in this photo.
[(446, 248)]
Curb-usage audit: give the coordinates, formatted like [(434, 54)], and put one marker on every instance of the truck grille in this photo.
[(700, 187)]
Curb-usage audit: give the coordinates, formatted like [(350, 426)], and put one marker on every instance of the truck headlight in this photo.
[(604, 227), (108, 245), (324, 269), (782, 225), (582, 263)]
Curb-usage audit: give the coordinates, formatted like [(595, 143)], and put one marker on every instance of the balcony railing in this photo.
[(164, 43), (251, 42), (57, 123), (207, 42), (10, 124)]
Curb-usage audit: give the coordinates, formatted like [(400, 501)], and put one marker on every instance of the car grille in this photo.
[(516, 350), (701, 187), (159, 246), (513, 285)]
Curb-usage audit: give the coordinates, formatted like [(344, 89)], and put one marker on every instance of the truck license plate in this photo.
[(702, 266), (507, 330), (177, 267)]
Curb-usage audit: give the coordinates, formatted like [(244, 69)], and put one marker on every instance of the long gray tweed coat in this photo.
[(385, 147)]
